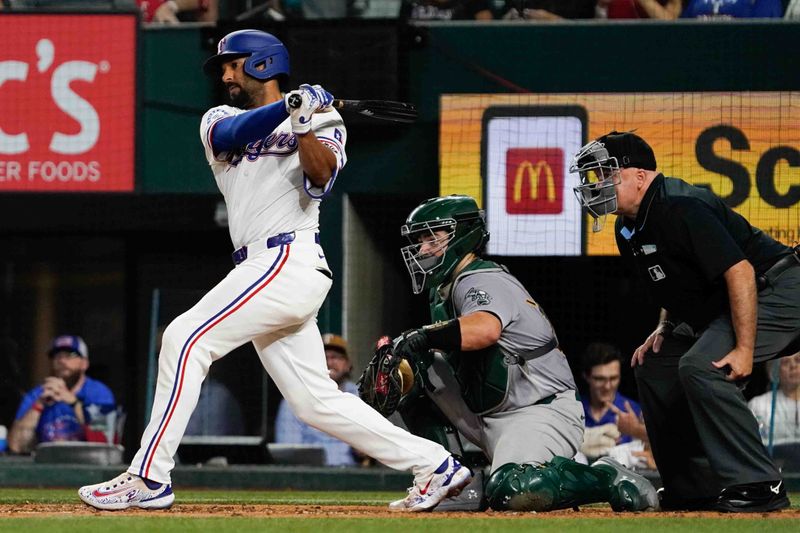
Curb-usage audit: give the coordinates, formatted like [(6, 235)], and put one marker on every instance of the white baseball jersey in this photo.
[(263, 183)]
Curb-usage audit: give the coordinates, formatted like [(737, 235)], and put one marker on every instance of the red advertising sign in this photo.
[(534, 181), (67, 102)]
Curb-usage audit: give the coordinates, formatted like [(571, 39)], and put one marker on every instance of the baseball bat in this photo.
[(400, 112)]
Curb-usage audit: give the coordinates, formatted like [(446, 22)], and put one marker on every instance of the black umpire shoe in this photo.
[(753, 498), (669, 503)]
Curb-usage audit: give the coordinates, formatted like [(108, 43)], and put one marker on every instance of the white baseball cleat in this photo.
[(447, 480), (126, 491)]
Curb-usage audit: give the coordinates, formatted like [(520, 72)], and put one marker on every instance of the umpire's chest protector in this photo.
[(483, 374)]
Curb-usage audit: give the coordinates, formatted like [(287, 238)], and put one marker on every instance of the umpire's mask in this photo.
[(599, 173)]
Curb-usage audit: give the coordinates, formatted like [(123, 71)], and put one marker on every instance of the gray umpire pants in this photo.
[(703, 435)]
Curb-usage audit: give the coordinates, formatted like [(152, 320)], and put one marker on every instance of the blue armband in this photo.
[(232, 132)]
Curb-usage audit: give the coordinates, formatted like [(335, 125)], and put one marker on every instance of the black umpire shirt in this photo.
[(683, 240)]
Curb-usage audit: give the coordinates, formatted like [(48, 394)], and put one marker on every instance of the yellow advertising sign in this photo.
[(744, 146)]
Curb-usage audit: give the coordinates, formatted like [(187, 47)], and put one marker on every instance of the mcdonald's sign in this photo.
[(534, 181)]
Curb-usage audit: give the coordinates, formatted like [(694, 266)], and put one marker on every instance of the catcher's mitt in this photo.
[(386, 379)]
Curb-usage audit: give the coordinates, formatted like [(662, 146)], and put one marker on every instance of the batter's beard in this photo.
[(241, 99)]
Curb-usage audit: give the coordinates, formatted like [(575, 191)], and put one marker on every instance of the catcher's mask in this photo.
[(441, 232), (266, 56)]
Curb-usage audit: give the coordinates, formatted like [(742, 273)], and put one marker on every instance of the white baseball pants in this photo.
[(271, 299)]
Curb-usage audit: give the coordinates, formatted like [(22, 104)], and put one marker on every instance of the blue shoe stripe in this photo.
[(166, 492), (443, 467)]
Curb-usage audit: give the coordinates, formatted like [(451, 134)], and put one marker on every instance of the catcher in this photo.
[(490, 367)]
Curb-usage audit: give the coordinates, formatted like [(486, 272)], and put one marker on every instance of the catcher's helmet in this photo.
[(260, 48), (431, 260)]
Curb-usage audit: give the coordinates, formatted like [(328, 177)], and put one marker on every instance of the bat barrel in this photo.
[(379, 109)]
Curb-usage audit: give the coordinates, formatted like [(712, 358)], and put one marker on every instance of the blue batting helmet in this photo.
[(259, 47)]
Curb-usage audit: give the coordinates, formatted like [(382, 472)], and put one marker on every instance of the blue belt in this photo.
[(271, 242)]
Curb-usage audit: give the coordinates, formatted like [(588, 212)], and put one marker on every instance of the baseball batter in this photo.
[(491, 366), (273, 164)]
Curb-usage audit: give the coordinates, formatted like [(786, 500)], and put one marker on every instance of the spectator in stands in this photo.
[(748, 9), (786, 423), (65, 405), (290, 430), (549, 9), (370, 9), (175, 11), (639, 9), (613, 422), (445, 10), (324, 9), (218, 411)]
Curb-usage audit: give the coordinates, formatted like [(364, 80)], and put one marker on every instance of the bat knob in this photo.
[(294, 101)]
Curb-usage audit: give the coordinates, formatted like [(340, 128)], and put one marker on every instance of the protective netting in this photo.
[(512, 152)]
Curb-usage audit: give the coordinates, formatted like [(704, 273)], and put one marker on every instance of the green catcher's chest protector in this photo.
[(483, 374)]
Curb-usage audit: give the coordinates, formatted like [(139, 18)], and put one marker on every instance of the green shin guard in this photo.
[(559, 484), (628, 491)]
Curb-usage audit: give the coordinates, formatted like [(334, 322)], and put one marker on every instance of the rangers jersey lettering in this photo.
[(263, 183)]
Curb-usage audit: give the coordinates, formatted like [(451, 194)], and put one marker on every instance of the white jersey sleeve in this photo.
[(210, 119), (330, 131)]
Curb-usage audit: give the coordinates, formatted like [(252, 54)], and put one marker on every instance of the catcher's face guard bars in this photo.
[(426, 252), (599, 174)]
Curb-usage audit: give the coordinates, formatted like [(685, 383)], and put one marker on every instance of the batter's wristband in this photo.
[(444, 335)]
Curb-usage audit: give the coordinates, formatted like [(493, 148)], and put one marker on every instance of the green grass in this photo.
[(158, 522)]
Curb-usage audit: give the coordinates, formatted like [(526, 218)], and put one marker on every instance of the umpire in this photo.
[(729, 294)]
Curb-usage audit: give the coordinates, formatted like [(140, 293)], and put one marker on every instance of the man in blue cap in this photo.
[(62, 406)]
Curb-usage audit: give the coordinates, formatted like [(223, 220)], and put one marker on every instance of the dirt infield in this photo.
[(345, 511)]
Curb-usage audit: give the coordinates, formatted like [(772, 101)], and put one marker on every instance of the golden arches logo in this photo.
[(534, 173)]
